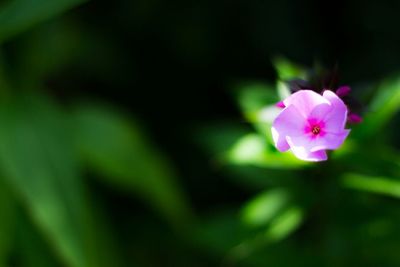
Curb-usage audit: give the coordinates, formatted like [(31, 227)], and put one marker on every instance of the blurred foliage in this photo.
[(19, 15), (135, 165), (86, 183)]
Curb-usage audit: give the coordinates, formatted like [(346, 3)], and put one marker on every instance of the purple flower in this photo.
[(280, 104), (310, 123), (354, 118), (343, 91)]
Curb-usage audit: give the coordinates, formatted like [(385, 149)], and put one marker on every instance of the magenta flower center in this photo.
[(314, 128)]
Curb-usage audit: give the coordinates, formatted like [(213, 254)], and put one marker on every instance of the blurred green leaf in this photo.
[(264, 119), (282, 90), (257, 102), (286, 223), (258, 178), (225, 234), (383, 106), (116, 148), (288, 70), (67, 44), (252, 97), (217, 137), (271, 213), (260, 210), (48, 49), (7, 222), (32, 248), (221, 232), (19, 15), (355, 157), (252, 149), (38, 159), (372, 184)]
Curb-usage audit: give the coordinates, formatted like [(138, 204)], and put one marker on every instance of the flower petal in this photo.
[(319, 155), (308, 144), (279, 140), (329, 141), (335, 121), (305, 101), (302, 151), (289, 122), (320, 112)]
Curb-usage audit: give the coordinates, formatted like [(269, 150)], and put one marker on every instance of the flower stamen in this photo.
[(316, 129)]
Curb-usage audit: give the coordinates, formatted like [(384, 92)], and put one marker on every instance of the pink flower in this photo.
[(310, 123)]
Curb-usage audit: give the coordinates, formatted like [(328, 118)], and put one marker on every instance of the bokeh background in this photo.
[(136, 133)]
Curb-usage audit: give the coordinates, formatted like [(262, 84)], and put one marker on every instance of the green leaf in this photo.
[(258, 178), (356, 156), (285, 224), (252, 149), (217, 137), (385, 104), (38, 159), (7, 222), (116, 148), (221, 232), (19, 15), (226, 234), (252, 97), (288, 70), (283, 90), (373, 184), (258, 104), (263, 208), (48, 49), (32, 248)]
